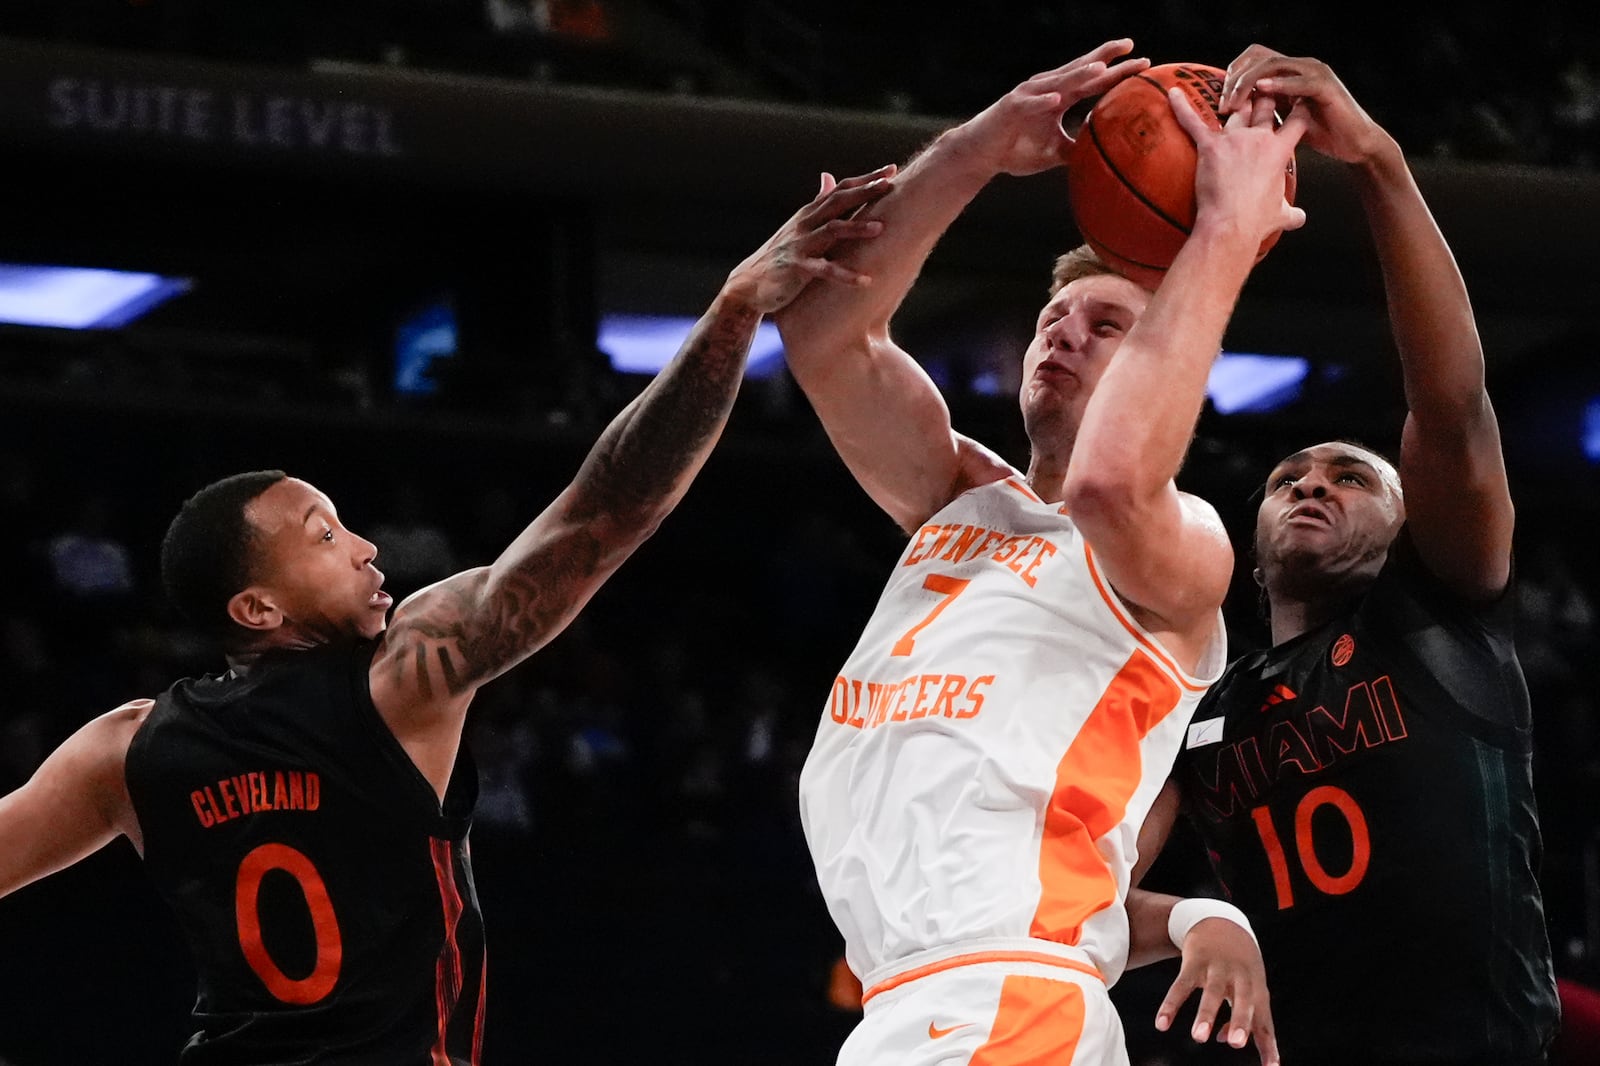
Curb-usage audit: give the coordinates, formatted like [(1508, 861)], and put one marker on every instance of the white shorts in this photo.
[(998, 1003)]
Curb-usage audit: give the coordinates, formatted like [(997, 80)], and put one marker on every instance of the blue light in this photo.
[(1591, 430), (1243, 383), (420, 340), (643, 344), (81, 298)]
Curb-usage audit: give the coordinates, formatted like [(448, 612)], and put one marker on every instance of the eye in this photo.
[(327, 536), (1106, 327), (1280, 481), (1357, 478)]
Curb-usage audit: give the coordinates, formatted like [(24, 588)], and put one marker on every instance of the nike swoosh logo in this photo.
[(934, 1032)]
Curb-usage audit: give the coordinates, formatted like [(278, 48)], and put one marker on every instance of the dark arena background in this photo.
[(419, 251)]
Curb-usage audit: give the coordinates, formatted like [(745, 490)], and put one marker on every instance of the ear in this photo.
[(254, 609), (1260, 578)]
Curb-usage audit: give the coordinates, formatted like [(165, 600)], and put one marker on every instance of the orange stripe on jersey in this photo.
[(447, 976), (1024, 489), (1039, 1023), (1094, 781), (1043, 958), (1128, 624)]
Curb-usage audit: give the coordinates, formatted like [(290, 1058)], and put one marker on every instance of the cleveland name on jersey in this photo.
[(325, 892)]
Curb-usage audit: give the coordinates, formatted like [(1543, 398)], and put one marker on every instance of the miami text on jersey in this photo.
[(1297, 744)]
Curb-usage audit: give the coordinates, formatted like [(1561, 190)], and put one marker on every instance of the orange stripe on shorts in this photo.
[(1039, 1023), (1094, 781)]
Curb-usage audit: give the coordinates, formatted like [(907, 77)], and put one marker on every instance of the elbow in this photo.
[(1101, 497)]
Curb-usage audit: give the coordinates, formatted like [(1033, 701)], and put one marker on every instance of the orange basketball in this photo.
[(1130, 172)]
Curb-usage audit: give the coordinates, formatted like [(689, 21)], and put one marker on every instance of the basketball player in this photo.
[(1364, 784), (305, 813), (990, 748)]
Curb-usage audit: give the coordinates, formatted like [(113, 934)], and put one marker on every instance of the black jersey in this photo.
[(325, 891), (1365, 793)]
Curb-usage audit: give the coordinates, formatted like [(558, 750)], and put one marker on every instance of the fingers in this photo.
[(1206, 1015), (1188, 117), (844, 197), (886, 171), (829, 270), (1179, 992), (1266, 1038), (1243, 73)]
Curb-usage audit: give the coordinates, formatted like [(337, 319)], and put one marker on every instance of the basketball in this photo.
[(1130, 172)]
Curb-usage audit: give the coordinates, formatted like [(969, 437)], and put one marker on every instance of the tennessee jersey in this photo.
[(992, 745)]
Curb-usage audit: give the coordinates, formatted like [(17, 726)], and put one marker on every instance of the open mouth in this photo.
[(380, 599)]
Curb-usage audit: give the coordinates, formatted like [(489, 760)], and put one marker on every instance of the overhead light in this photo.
[(1246, 383), (81, 298), (643, 344)]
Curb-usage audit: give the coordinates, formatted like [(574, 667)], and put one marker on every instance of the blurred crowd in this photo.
[(1440, 80)]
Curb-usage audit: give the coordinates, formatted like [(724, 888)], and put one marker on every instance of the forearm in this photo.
[(1141, 418), (929, 193), (1148, 914), (1429, 309), (645, 459)]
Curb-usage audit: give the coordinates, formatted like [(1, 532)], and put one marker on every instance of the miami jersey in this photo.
[(993, 743)]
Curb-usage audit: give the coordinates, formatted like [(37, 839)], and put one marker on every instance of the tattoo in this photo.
[(478, 624), (639, 467)]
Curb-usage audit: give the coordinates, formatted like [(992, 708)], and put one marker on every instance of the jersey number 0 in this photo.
[(301, 991)]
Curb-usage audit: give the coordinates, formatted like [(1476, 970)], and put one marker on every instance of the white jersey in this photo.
[(993, 744)]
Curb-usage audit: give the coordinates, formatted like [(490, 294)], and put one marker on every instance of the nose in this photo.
[(1064, 334), (1311, 484), (365, 550)]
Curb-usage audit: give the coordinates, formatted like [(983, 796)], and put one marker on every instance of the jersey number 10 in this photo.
[(1305, 848)]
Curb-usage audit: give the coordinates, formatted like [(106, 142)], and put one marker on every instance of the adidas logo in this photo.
[(1280, 694)]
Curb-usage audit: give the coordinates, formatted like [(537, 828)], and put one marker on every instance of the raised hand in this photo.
[(1336, 125), (1222, 962), (775, 273), (1021, 133), (1239, 177)]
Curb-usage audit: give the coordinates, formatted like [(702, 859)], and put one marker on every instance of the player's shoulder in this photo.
[(114, 730)]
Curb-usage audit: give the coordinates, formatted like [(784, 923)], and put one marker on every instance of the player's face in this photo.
[(1074, 338), (1330, 513), (316, 576)]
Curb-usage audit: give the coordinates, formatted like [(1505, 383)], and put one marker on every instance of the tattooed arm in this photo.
[(452, 637)]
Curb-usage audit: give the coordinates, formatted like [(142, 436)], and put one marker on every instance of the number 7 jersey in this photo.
[(993, 743)]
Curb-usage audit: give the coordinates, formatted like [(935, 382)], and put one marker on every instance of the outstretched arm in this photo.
[(1457, 499), (882, 412), (1165, 552), (74, 804), (450, 638)]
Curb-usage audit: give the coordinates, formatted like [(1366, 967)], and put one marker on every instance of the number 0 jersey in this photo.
[(993, 743), (1365, 792), (325, 892)]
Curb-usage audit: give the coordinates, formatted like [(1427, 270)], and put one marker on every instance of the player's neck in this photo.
[(1047, 476)]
